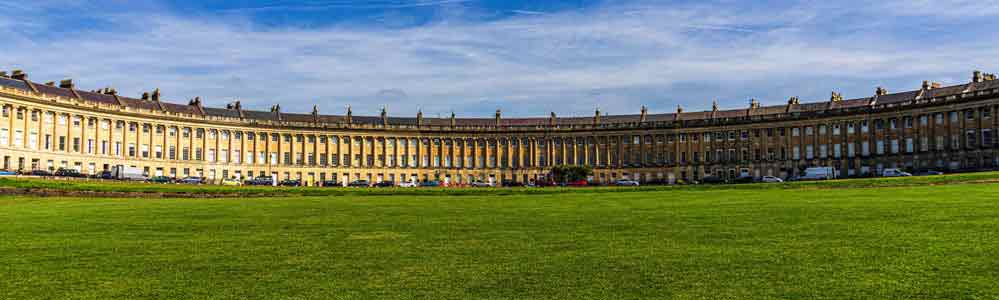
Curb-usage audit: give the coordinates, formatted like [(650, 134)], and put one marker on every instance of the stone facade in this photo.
[(45, 126)]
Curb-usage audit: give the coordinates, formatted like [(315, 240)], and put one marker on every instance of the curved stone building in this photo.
[(50, 126)]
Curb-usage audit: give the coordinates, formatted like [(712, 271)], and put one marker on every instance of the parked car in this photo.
[(359, 183), (744, 179), (39, 173), (544, 183), (290, 182), (160, 179), (712, 180), (191, 180), (232, 182), (577, 183), (626, 182), (67, 172), (261, 180), (106, 175), (128, 173), (7, 173), (892, 172), (819, 173), (929, 173), (511, 183), (407, 184), (431, 183), (771, 179), (385, 184), (481, 184), (331, 183)]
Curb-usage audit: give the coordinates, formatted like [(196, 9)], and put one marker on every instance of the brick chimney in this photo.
[(19, 75), (880, 91), (67, 84)]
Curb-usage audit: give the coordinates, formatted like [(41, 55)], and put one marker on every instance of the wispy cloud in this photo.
[(345, 4), (615, 56)]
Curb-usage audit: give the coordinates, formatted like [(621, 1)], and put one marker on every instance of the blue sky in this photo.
[(524, 57)]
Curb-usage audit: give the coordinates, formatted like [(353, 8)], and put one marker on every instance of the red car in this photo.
[(578, 183)]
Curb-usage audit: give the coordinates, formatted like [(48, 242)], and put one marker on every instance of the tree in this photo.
[(570, 173)]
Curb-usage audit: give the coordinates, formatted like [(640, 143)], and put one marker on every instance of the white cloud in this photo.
[(616, 57)]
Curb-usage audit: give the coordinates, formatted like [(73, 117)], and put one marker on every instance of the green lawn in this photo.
[(267, 191), (749, 242)]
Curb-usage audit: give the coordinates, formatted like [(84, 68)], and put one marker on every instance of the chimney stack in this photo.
[(975, 76), (19, 75), (835, 97), (67, 84), (880, 91)]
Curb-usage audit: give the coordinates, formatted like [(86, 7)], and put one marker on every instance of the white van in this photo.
[(819, 173), (127, 173), (894, 173)]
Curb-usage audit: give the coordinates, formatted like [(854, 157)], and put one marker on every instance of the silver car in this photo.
[(626, 182), (771, 179)]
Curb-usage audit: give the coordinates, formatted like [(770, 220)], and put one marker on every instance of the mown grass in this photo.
[(133, 187), (739, 242)]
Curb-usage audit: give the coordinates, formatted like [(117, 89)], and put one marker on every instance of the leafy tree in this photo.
[(570, 173)]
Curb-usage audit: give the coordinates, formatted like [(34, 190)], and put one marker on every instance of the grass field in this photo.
[(907, 239), (266, 191)]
